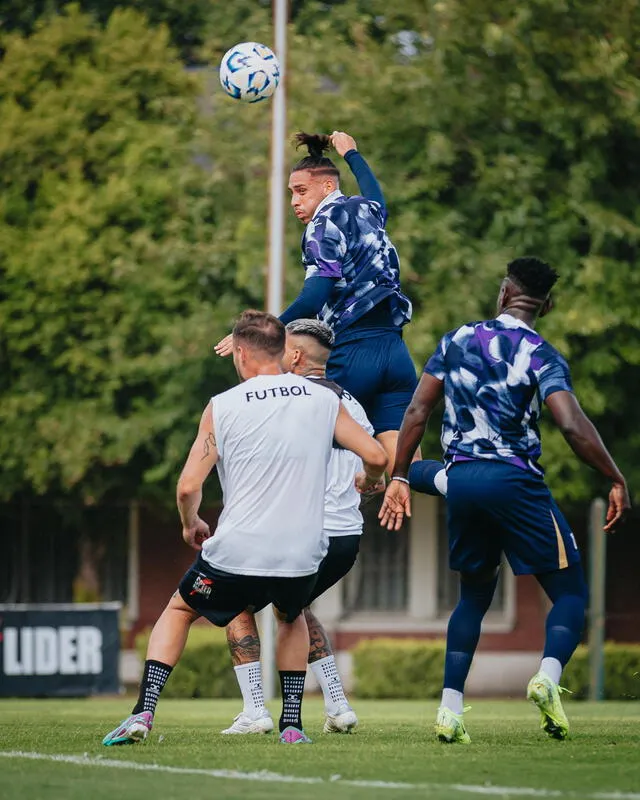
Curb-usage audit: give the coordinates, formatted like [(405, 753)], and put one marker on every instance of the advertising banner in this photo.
[(59, 650)]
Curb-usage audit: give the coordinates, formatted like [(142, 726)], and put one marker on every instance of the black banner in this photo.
[(59, 650)]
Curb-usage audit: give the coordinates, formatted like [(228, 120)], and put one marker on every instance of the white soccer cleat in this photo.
[(343, 721), (243, 723)]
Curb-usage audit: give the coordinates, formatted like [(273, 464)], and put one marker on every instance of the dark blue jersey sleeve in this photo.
[(367, 181), (316, 290)]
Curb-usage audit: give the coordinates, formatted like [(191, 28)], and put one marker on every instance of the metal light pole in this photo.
[(275, 274), (597, 606)]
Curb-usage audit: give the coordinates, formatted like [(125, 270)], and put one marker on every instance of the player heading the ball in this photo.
[(352, 282)]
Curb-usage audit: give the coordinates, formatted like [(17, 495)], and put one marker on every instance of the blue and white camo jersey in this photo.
[(496, 374), (346, 240)]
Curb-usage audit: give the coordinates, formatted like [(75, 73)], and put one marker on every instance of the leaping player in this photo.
[(352, 283)]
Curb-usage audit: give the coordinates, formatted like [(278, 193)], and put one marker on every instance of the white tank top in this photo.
[(274, 436), (342, 515)]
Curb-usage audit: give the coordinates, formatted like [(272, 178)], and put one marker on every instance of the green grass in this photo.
[(394, 743)]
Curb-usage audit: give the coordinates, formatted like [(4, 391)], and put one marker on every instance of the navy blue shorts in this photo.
[(496, 508), (378, 371)]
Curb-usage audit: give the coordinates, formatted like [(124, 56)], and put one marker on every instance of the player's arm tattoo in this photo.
[(319, 644), (243, 639), (209, 444)]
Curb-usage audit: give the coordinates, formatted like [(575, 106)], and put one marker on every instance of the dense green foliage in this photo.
[(413, 669), (398, 668), (133, 217), (108, 281), (621, 672)]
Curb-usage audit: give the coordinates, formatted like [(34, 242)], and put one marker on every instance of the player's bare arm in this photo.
[(353, 437), (201, 460), (397, 499), (584, 439)]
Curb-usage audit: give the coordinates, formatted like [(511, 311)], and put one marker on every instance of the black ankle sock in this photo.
[(292, 685), (153, 680)]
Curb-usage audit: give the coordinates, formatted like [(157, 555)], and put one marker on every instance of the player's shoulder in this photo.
[(228, 394), (352, 406), (546, 353), (459, 334), (331, 385), (356, 410), (347, 206)]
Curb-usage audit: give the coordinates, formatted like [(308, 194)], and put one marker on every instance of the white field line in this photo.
[(264, 776)]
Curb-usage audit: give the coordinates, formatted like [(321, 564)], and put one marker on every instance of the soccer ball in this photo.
[(249, 72)]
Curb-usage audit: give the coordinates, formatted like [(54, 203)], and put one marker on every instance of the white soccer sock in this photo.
[(326, 673), (552, 668), (453, 700), (441, 481), (250, 682)]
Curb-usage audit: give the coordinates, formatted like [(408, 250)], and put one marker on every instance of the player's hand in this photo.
[(619, 504), (196, 534), (224, 346), (364, 485), (342, 142), (396, 505)]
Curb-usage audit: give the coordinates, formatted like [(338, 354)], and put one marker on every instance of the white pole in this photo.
[(275, 275)]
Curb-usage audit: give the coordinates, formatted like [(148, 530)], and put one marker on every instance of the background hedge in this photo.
[(384, 668), (413, 669), (398, 668), (621, 672)]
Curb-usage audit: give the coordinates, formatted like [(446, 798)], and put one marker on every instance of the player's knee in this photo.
[(480, 578)]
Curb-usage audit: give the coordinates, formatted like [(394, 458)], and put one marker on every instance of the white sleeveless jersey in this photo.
[(342, 515), (274, 435)]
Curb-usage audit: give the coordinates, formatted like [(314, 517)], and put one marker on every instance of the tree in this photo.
[(187, 20), (495, 132), (498, 132), (111, 290)]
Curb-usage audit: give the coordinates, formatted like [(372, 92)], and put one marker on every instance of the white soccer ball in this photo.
[(249, 72)]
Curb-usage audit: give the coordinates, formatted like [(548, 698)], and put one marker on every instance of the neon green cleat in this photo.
[(450, 727), (545, 694)]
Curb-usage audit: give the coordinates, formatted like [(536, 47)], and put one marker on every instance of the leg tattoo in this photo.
[(319, 644), (243, 639)]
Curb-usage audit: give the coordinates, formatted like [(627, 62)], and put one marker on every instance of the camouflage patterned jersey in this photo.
[(346, 240), (496, 374)]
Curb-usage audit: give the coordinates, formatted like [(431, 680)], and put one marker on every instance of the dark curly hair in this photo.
[(534, 276)]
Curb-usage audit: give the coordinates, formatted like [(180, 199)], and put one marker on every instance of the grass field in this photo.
[(186, 758)]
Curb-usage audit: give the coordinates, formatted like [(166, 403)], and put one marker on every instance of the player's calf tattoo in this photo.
[(319, 644), (243, 640)]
